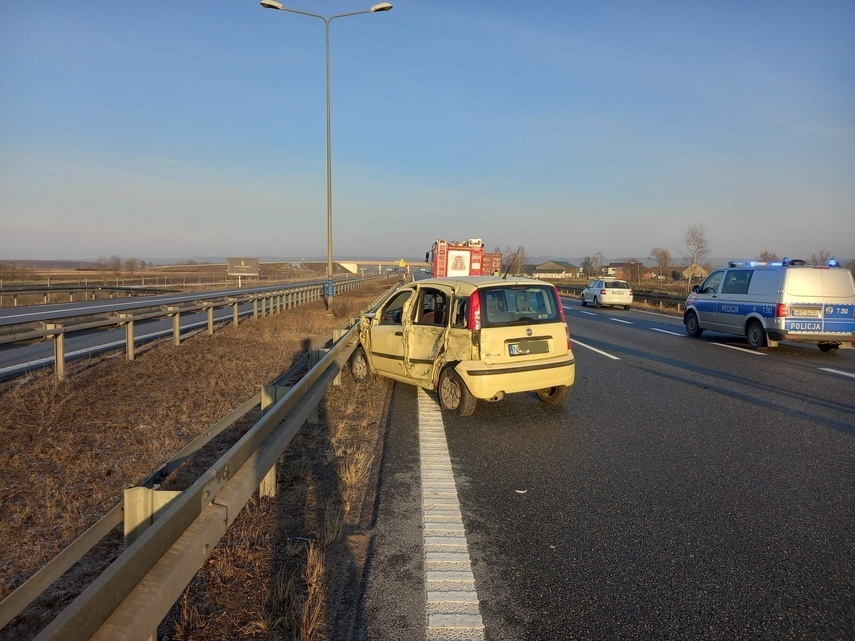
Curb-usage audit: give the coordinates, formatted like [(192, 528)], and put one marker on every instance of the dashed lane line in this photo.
[(593, 349), (836, 371), (665, 331), (452, 608), (620, 320), (739, 349)]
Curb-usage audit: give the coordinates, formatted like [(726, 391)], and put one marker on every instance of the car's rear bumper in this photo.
[(487, 381)]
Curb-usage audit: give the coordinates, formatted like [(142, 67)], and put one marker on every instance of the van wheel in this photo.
[(827, 347), (693, 327), (554, 395), (359, 365), (453, 393), (596, 302), (756, 335)]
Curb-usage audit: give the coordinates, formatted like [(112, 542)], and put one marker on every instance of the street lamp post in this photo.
[(383, 6)]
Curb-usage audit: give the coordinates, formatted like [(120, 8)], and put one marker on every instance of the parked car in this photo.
[(771, 302), (607, 291), (470, 338)]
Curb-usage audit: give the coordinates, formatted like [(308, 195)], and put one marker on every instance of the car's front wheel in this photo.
[(554, 395), (359, 365), (453, 393), (756, 335), (584, 302), (693, 327)]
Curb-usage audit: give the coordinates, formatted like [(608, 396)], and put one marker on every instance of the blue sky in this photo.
[(181, 129)]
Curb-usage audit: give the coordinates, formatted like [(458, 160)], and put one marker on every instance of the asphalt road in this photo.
[(689, 489)]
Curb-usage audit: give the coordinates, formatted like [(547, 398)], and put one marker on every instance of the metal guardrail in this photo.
[(662, 299), (263, 303), (130, 598)]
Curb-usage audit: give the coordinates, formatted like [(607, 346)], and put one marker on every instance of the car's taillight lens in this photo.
[(475, 311), (602, 292), (561, 313), (781, 310)]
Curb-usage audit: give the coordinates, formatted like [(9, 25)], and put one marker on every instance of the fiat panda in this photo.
[(469, 339)]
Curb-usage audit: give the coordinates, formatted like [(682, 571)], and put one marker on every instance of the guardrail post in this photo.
[(255, 308), (270, 395), (336, 335), (211, 319), (58, 349), (176, 324), (142, 508), (315, 356), (235, 314), (129, 335)]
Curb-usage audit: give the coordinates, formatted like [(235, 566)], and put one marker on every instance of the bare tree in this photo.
[(513, 260), (697, 250), (768, 257), (662, 257), (131, 265), (588, 266), (821, 258)]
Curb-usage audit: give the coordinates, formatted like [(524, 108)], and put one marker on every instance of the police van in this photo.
[(771, 302)]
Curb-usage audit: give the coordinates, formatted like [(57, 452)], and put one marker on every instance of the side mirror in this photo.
[(696, 289)]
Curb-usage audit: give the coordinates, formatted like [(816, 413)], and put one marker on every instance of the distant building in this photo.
[(556, 270)]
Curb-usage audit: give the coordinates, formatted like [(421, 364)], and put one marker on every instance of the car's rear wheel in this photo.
[(627, 306), (554, 395), (693, 327), (827, 347), (755, 334), (596, 302), (359, 365), (453, 393)]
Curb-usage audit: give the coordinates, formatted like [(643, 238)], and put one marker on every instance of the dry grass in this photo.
[(73, 446)]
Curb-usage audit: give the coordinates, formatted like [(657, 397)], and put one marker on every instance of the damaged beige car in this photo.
[(470, 338)]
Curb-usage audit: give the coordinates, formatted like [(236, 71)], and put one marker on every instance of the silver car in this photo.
[(607, 291)]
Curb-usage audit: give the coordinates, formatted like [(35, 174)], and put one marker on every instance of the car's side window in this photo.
[(461, 314), (433, 309), (394, 311), (711, 284), (737, 281)]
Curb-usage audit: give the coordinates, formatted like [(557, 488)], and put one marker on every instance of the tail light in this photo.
[(475, 310), (603, 292), (561, 314), (781, 310)]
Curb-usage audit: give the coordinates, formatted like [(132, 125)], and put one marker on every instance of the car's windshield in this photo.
[(516, 304)]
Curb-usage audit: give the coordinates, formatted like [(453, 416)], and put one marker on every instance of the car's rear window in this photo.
[(616, 284), (518, 304)]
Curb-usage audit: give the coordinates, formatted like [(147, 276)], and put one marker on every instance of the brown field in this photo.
[(289, 564), (168, 278)]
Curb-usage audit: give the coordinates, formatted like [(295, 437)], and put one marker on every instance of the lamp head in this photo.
[(272, 4), (383, 6)]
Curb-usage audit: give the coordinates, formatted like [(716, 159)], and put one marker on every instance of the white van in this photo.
[(771, 302)]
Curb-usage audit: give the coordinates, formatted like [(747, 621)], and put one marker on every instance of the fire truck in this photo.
[(462, 258)]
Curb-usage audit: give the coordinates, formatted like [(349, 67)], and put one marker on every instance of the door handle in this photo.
[(399, 333)]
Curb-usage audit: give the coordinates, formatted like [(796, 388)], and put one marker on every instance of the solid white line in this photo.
[(740, 349), (452, 609), (836, 371), (620, 320), (593, 349), (665, 331)]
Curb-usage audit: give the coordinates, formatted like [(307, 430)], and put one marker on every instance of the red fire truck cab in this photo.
[(462, 258)]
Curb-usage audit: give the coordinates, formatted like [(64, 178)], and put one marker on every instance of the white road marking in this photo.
[(740, 349), (451, 606), (665, 331), (588, 313), (593, 349), (836, 371), (620, 320)]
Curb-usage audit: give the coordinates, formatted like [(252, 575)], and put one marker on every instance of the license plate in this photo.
[(812, 312), (528, 347)]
